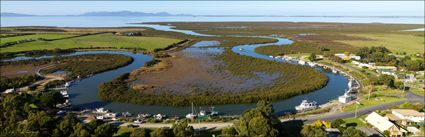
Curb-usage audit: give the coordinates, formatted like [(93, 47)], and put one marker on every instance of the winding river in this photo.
[(83, 93)]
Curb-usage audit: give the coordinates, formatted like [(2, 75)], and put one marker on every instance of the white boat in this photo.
[(159, 116), (191, 115), (102, 110), (301, 62), (271, 56), (213, 113), (138, 121), (334, 71), (126, 114), (68, 84), (64, 92), (305, 105), (240, 49), (312, 64)]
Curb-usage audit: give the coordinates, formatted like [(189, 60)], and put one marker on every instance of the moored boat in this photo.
[(305, 106)]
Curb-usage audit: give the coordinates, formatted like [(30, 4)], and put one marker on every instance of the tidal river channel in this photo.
[(83, 94)]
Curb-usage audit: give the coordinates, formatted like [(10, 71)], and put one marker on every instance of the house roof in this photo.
[(409, 112), (379, 122)]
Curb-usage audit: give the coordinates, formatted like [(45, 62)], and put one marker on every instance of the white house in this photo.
[(344, 56), (409, 114), (382, 124)]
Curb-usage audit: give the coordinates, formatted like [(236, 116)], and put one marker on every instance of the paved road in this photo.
[(410, 97), (194, 125)]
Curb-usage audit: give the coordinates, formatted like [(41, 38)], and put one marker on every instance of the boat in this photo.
[(334, 71), (126, 114), (301, 62), (213, 113), (159, 116), (191, 115), (102, 110), (312, 64), (240, 49), (143, 115), (68, 84), (271, 56), (305, 105)]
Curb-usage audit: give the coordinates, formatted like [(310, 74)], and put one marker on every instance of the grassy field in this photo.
[(373, 102), (380, 96), (34, 37), (418, 91), (101, 40), (395, 42)]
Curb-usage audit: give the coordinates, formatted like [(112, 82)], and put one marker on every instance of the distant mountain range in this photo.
[(103, 13), (14, 14), (131, 13)]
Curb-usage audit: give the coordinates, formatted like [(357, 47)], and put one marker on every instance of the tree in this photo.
[(257, 121), (387, 133), (337, 123), (399, 85), (413, 65), (387, 80), (312, 57), (65, 128), (161, 132), (140, 133), (105, 130), (266, 107), (50, 99), (80, 131), (313, 131), (352, 132), (182, 129), (230, 131)]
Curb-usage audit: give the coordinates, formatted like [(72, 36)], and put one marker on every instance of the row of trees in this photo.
[(34, 115), (16, 82), (317, 129), (381, 56)]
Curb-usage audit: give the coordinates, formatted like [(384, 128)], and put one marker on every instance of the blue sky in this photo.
[(320, 8)]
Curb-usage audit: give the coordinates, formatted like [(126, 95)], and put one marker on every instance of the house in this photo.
[(393, 68), (347, 57), (386, 71), (361, 64), (409, 114), (410, 78), (382, 124), (414, 130), (346, 97)]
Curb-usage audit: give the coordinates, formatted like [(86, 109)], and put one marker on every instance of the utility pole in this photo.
[(355, 113)]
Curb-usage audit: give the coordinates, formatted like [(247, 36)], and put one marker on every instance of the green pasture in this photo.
[(408, 43), (34, 37), (100, 40)]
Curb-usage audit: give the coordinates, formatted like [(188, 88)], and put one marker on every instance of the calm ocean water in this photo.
[(115, 21)]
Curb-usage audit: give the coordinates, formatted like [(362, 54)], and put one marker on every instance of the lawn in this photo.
[(372, 102), (418, 91), (34, 37), (408, 43), (101, 40)]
